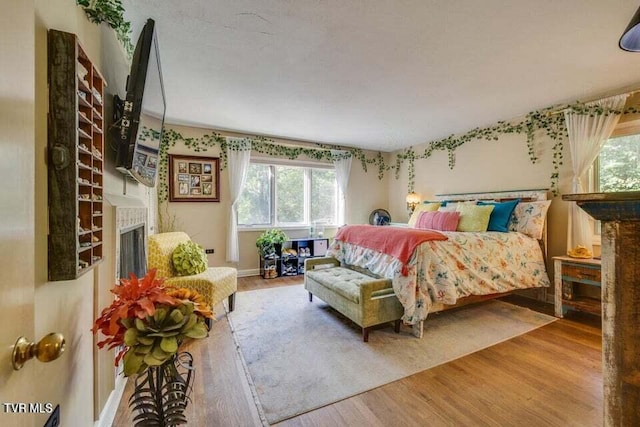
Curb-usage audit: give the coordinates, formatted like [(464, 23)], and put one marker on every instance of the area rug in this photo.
[(303, 355)]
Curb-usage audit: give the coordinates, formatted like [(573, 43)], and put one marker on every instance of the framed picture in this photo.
[(194, 179)]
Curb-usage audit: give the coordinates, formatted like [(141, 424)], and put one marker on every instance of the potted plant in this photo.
[(270, 242), (148, 323)]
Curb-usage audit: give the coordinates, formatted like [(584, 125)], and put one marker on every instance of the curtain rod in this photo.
[(566, 107)]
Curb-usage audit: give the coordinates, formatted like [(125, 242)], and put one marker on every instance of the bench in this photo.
[(364, 298)]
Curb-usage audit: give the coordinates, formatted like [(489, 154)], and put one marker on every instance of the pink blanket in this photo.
[(397, 242)]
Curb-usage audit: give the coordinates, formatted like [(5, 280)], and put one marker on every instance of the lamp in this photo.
[(412, 201), (630, 40)]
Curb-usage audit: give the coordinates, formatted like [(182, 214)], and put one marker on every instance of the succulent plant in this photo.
[(154, 339), (189, 258)]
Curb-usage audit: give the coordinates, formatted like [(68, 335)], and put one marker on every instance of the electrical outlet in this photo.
[(208, 251)]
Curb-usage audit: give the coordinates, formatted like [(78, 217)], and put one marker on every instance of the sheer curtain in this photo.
[(587, 135), (342, 163), (238, 156)]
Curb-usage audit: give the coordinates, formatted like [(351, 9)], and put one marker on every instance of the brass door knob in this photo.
[(49, 348)]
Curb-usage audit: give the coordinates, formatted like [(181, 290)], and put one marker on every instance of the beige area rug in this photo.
[(301, 355)]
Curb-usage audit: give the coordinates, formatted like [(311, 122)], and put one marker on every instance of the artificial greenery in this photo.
[(266, 242), (189, 258), (154, 339), (112, 13), (547, 122)]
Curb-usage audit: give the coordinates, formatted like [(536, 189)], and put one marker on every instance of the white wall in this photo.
[(206, 223), (483, 166), (83, 377)]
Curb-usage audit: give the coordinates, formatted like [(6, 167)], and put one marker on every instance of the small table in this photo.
[(567, 272)]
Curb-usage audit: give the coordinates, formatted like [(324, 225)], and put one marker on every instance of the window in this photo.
[(282, 195), (618, 166)]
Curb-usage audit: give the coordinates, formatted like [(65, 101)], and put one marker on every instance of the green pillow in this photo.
[(474, 218), (189, 259)]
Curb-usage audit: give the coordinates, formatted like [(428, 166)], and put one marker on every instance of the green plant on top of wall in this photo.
[(110, 12)]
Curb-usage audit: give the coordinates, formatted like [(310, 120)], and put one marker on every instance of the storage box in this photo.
[(320, 247)]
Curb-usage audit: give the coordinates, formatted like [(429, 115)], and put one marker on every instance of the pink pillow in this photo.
[(443, 221)]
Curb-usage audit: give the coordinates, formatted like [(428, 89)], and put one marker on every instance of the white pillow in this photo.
[(529, 218), (453, 206)]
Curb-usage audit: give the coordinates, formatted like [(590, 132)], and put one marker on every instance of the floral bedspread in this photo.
[(443, 271)]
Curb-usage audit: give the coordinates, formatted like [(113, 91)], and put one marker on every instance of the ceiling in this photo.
[(382, 75)]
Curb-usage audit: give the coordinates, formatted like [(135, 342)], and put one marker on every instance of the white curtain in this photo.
[(587, 135), (342, 163), (238, 156)]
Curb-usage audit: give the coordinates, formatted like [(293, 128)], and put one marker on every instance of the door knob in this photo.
[(49, 348)]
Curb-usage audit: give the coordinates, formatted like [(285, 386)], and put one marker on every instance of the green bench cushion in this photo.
[(344, 282)]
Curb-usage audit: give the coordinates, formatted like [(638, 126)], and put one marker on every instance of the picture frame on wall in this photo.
[(194, 178)]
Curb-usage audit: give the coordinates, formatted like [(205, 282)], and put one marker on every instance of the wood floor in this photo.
[(551, 376)]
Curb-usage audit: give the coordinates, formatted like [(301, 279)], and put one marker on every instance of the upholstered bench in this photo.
[(362, 297)]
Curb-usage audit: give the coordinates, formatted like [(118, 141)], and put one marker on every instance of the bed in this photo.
[(466, 267)]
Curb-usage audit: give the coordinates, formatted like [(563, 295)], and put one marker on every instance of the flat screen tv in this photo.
[(142, 112)]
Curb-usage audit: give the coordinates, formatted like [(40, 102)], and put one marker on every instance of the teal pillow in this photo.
[(501, 215), (189, 258)]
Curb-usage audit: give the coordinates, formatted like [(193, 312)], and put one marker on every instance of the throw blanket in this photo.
[(397, 242)]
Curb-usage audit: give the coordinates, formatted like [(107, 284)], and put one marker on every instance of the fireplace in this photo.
[(130, 241), (133, 256)]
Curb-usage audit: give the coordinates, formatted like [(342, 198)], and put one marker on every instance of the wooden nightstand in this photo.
[(569, 271)]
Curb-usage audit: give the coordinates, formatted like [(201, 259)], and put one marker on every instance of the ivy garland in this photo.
[(544, 122), (112, 13), (536, 123)]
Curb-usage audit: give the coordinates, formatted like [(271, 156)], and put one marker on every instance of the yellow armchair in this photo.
[(214, 284)]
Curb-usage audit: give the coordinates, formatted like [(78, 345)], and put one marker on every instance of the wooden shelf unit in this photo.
[(292, 265), (75, 158)]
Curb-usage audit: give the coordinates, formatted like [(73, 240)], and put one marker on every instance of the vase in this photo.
[(161, 393)]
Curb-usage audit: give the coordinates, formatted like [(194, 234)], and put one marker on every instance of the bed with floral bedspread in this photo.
[(466, 264)]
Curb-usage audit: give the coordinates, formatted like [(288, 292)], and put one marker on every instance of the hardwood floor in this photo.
[(551, 376)]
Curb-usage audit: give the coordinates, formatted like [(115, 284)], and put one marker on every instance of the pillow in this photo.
[(473, 218), (423, 207), (189, 259), (529, 217), (501, 215), (443, 221), (451, 206)]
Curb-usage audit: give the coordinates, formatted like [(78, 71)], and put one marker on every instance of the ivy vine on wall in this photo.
[(112, 13), (535, 124)]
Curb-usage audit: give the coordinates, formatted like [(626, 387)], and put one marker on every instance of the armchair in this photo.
[(214, 284)]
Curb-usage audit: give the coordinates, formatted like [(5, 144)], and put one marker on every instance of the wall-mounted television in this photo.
[(142, 111)]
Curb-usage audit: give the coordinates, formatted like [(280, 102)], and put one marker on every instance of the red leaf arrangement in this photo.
[(136, 298)]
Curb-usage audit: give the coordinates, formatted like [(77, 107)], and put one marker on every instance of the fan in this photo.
[(379, 217)]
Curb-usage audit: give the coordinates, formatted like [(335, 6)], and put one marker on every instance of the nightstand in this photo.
[(567, 273)]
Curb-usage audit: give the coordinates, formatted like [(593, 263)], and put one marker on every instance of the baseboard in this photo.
[(108, 413), (250, 272)]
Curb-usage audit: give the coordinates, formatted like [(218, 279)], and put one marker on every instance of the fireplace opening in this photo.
[(133, 257)]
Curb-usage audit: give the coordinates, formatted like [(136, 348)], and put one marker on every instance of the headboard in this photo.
[(501, 196), (498, 196)]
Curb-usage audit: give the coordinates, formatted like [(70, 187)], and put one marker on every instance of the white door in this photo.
[(17, 142)]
